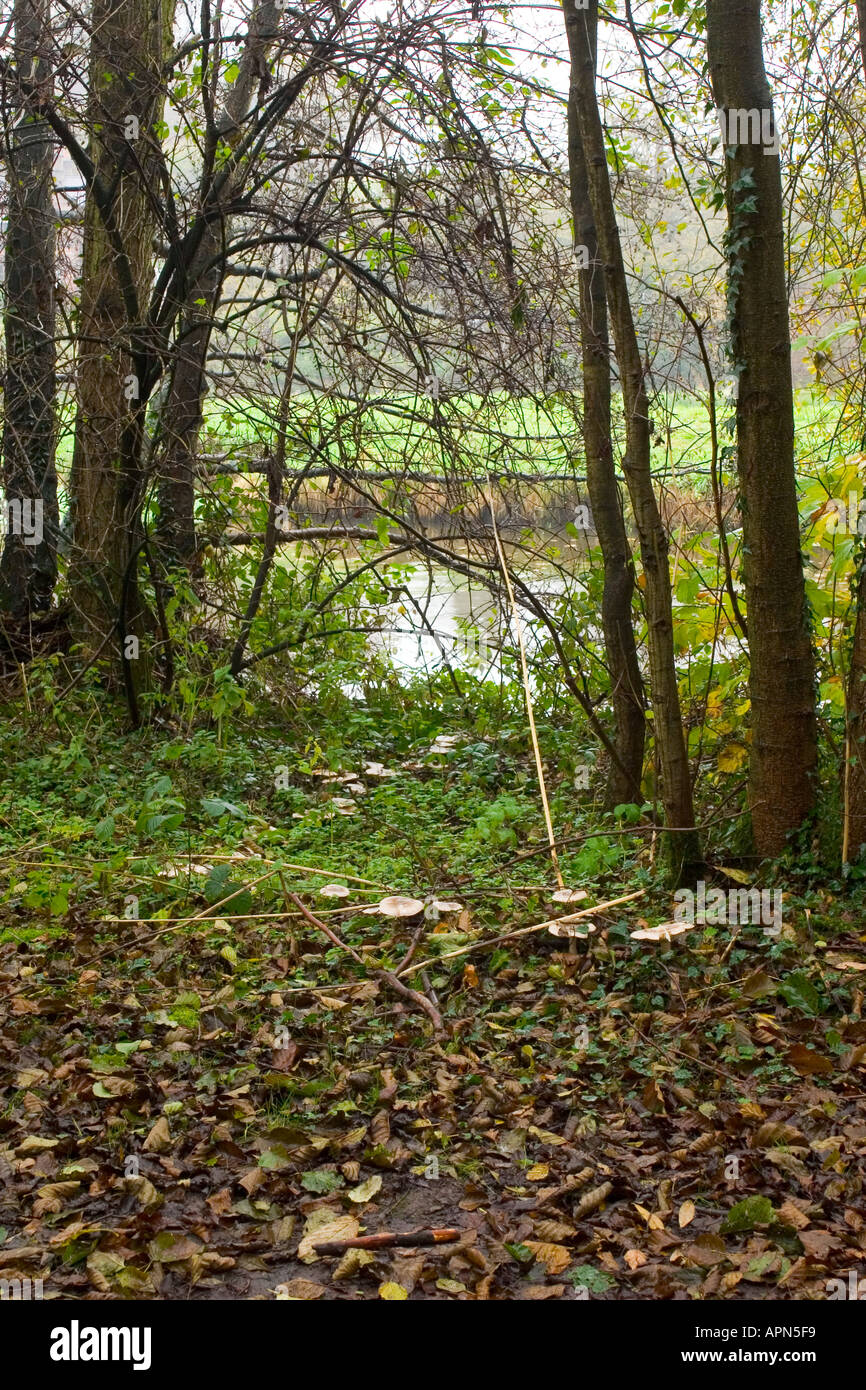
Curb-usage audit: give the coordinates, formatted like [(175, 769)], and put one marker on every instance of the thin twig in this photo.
[(384, 975)]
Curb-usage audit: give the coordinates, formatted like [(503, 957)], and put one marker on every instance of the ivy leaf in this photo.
[(590, 1278)]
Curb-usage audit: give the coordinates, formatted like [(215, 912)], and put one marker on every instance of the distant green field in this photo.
[(475, 435)]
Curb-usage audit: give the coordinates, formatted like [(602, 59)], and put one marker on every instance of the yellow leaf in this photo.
[(393, 1293), (731, 759), (556, 1258), (687, 1214), (738, 875), (339, 1228), (365, 1191), (538, 1173)]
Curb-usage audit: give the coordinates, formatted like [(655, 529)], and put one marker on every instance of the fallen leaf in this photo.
[(686, 1214), (365, 1191)]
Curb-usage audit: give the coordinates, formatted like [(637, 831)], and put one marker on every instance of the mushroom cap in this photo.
[(445, 743), (572, 930), (334, 890), (664, 932), (447, 907), (398, 906), (569, 895)]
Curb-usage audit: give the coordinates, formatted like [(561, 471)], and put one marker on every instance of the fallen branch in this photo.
[(386, 1240), (524, 931), (384, 975)]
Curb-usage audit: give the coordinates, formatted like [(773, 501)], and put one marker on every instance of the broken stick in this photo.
[(385, 1240), (384, 975)]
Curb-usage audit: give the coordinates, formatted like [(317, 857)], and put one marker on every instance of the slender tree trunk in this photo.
[(183, 409), (115, 361), (28, 566), (782, 675), (624, 783), (676, 787), (854, 832)]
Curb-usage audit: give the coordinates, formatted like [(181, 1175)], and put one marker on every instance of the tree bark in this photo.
[(183, 409), (854, 829), (28, 571), (115, 358), (676, 789), (782, 674), (624, 782)]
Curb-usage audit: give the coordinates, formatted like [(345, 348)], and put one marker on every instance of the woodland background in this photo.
[(433, 465)]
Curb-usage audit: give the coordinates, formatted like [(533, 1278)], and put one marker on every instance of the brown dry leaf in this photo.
[(554, 1230), (555, 1258), (808, 1062), (706, 1251), (470, 977), (329, 1228), (220, 1202), (771, 1135), (840, 962), (252, 1180), (380, 1128), (144, 1191), (304, 1289), (819, 1244), (53, 1197), (793, 1216), (592, 1201), (159, 1138), (651, 1096), (535, 1293), (635, 1258)]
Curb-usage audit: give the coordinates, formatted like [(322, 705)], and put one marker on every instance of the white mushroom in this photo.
[(334, 890), (665, 932), (398, 906), (447, 907), (444, 743), (569, 895), (572, 931)]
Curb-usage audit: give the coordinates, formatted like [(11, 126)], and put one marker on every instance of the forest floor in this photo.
[(189, 1105)]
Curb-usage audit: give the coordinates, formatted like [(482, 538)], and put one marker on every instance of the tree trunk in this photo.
[(676, 788), (183, 408), (854, 831), (28, 567), (115, 360), (782, 674), (624, 782)]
